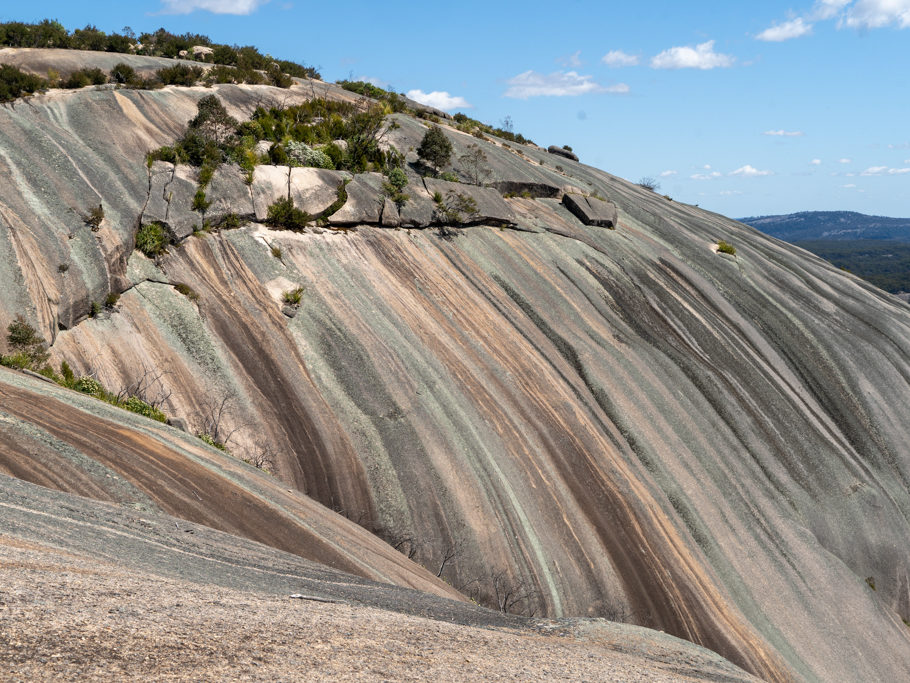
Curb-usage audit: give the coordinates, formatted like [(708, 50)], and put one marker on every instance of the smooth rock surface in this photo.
[(491, 207), (365, 201)]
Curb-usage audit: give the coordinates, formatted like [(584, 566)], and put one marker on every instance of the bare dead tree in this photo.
[(449, 554), (148, 387), (512, 596), (262, 458), (216, 415)]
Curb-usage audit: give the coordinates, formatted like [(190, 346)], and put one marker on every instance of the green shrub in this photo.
[(200, 203), (435, 148), (726, 248), (94, 309), (293, 296), (283, 214), (84, 77), (179, 74), (29, 348), (301, 154), (210, 440), (394, 187), (152, 239), (89, 385), (111, 300), (277, 253), (187, 291), (16, 83), (137, 405), (124, 74)]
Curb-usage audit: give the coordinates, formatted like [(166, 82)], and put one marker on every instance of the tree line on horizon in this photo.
[(161, 43)]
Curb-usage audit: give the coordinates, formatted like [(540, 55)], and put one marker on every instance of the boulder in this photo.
[(518, 187), (170, 199), (229, 194), (491, 207), (270, 183), (315, 189), (553, 149), (390, 217), (419, 210), (590, 210), (365, 201)]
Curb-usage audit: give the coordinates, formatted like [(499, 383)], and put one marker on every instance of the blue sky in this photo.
[(742, 108)]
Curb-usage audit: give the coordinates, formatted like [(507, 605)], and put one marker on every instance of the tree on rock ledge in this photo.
[(435, 148)]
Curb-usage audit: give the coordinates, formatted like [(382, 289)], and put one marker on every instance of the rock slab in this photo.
[(591, 210)]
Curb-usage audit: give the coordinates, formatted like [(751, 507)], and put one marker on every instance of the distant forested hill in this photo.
[(831, 225), (876, 248)]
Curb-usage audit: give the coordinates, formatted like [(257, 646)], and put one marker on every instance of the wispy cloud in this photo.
[(667, 174), (859, 14), (439, 99), (748, 171), (875, 170), (702, 56), (878, 13), (706, 176), (558, 84), (795, 28), (372, 80), (730, 193), (617, 58), (573, 60), (815, 162), (845, 160), (849, 185), (213, 6), (784, 133)]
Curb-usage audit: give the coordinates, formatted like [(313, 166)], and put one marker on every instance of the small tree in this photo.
[(212, 120), (474, 163), (435, 148), (28, 347)]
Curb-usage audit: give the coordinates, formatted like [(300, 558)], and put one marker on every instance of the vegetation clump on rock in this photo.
[(435, 149), (726, 248), (152, 239), (15, 83)]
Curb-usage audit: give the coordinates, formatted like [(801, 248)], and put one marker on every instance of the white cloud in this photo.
[(845, 160), (874, 170), (667, 174), (439, 99), (730, 193), (828, 9), (557, 84), (748, 171), (706, 176), (707, 167), (816, 162), (784, 133), (795, 28), (898, 171), (878, 13), (849, 185), (573, 60), (214, 6), (372, 80), (616, 58), (701, 56)]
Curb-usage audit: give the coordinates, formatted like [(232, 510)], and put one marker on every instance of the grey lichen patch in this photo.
[(178, 320)]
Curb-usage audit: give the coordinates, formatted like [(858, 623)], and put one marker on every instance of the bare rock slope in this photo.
[(607, 421)]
